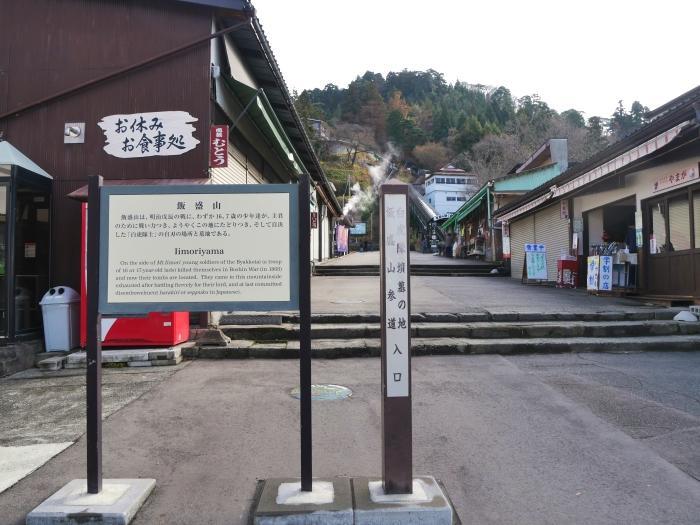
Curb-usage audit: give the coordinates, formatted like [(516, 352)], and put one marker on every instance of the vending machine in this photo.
[(155, 329)]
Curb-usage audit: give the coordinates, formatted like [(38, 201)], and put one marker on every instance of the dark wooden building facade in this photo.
[(55, 55)]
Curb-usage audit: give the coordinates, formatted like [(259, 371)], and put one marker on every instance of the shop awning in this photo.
[(600, 171), (261, 112), (9, 155), (466, 209)]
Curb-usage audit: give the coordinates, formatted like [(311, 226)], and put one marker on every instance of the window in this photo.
[(658, 226), (462, 199), (679, 223), (440, 180), (451, 199)]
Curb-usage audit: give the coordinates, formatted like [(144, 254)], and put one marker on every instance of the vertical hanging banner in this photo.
[(395, 304), (218, 146)]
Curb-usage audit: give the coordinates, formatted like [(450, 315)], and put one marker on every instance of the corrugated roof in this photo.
[(681, 112), (252, 43)]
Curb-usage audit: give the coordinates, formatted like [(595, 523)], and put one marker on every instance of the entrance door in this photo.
[(672, 268), (3, 259), (31, 254)]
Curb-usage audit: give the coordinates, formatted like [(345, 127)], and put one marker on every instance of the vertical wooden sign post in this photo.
[(305, 333), (94, 342), (397, 435)]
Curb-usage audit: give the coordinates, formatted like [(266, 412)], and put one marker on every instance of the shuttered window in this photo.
[(679, 224), (552, 231), (522, 232), (658, 226)]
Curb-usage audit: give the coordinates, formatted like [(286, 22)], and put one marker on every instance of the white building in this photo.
[(446, 190)]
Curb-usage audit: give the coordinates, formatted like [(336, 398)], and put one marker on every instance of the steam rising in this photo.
[(363, 199)]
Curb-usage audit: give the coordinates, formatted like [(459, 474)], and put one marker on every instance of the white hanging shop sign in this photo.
[(677, 178), (139, 135)]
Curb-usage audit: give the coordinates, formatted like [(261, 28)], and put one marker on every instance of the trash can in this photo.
[(567, 272), (60, 308)]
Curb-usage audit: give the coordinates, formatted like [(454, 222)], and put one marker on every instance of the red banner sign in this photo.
[(314, 219), (218, 147)]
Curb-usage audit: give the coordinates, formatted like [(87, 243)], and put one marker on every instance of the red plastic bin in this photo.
[(155, 329)]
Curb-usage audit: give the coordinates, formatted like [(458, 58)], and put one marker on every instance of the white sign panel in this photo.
[(396, 307), (139, 135), (593, 272), (536, 261), (677, 178), (167, 248), (605, 281)]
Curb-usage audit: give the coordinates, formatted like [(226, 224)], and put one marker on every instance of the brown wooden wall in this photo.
[(49, 45)]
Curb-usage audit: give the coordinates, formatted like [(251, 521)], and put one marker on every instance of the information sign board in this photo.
[(359, 229), (396, 304), (198, 248), (605, 282), (536, 261), (592, 272)]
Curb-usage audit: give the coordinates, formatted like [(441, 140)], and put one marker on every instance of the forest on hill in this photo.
[(430, 122)]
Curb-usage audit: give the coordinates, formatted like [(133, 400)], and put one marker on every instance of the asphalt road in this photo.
[(576, 439)]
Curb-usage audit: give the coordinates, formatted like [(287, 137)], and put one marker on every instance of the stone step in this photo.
[(478, 330), (335, 348), (132, 357), (52, 363), (447, 317)]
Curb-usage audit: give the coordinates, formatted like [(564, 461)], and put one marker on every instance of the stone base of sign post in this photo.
[(427, 505), (282, 502), (116, 504)]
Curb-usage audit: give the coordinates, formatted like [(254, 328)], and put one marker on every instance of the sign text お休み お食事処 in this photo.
[(396, 295), (201, 247), (138, 135)]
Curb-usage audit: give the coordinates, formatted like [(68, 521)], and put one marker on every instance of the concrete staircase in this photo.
[(358, 335)]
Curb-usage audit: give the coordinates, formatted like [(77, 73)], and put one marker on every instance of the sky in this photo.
[(580, 54)]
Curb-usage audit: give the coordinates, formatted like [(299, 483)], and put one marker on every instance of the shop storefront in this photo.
[(635, 206), (25, 229), (672, 227)]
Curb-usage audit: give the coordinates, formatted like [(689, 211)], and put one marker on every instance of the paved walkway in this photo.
[(372, 258), (576, 439), (460, 295), (340, 294)]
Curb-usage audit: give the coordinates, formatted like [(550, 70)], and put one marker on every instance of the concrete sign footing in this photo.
[(428, 505), (116, 504), (353, 501), (282, 502)]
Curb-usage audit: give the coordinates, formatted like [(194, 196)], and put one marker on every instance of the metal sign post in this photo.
[(305, 332), (94, 342), (397, 446)]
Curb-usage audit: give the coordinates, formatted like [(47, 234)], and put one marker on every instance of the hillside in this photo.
[(422, 123)]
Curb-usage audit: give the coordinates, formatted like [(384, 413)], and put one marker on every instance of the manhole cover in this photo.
[(324, 392)]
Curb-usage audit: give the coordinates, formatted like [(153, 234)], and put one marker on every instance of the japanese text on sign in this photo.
[(606, 270), (149, 134), (198, 247), (396, 307), (676, 178), (218, 147), (593, 272), (536, 261)]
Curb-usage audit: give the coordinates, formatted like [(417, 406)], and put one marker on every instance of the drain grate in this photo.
[(324, 392)]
